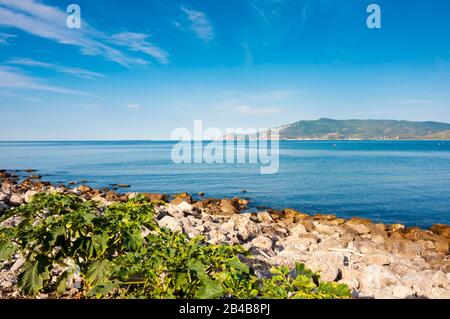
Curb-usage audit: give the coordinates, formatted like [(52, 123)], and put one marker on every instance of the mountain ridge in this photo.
[(359, 129)]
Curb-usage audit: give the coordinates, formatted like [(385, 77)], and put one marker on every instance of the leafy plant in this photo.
[(121, 252)]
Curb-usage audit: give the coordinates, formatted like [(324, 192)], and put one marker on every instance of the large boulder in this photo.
[(3, 207), (358, 226), (441, 230), (29, 196), (325, 229), (3, 197), (155, 197), (16, 200), (428, 284), (84, 189), (183, 197), (262, 241), (242, 224), (228, 207), (375, 281)]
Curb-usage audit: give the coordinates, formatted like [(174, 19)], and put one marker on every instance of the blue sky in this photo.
[(138, 70)]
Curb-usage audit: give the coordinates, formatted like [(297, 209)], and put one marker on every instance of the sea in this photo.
[(404, 182)]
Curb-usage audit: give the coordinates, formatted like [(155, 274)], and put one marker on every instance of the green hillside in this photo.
[(325, 128)]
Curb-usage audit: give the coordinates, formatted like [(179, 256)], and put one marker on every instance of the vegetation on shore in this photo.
[(330, 129), (67, 244)]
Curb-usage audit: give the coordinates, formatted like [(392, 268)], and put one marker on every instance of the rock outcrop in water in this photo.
[(375, 260)]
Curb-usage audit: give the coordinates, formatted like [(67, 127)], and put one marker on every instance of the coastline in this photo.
[(374, 260)]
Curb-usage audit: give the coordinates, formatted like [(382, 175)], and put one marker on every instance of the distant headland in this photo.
[(330, 129)]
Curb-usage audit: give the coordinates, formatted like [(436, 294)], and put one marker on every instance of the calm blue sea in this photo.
[(394, 182)]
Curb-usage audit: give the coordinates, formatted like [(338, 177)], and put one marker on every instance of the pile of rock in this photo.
[(375, 260)]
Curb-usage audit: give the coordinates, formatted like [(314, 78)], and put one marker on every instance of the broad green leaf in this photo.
[(33, 276), (99, 272), (62, 283), (180, 280), (7, 249), (334, 289), (210, 289), (303, 282), (238, 265), (199, 268), (133, 241), (102, 290), (100, 243)]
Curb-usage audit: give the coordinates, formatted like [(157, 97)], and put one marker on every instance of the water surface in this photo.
[(390, 181)]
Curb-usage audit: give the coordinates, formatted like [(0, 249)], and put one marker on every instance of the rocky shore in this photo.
[(374, 260)]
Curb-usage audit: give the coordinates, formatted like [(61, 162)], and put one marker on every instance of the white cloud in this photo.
[(250, 110), (199, 24), (13, 78), (4, 37), (138, 42), (82, 73), (49, 22), (134, 106)]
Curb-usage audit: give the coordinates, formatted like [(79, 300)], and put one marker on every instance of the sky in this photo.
[(140, 69)]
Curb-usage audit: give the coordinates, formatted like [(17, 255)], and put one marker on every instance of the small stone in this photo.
[(396, 227), (17, 265)]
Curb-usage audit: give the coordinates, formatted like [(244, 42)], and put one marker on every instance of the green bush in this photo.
[(120, 252)]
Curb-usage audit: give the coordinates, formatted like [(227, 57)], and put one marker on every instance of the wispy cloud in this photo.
[(250, 110), (133, 106), (138, 42), (248, 56), (4, 37), (49, 22), (13, 78), (259, 11), (82, 73), (199, 24)]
